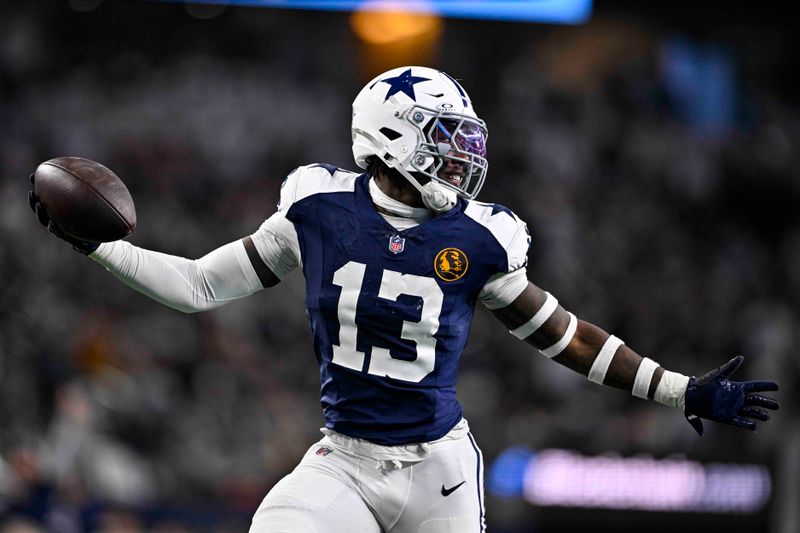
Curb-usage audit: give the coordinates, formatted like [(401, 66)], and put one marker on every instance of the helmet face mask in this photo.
[(420, 121), (455, 146)]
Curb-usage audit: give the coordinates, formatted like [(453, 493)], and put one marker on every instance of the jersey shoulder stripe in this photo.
[(510, 232), (318, 178)]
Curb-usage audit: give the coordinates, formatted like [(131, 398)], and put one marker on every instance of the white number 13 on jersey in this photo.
[(350, 277)]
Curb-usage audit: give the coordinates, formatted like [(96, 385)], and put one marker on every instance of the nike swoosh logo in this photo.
[(451, 490)]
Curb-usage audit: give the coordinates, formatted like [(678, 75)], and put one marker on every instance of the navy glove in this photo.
[(84, 247), (714, 397)]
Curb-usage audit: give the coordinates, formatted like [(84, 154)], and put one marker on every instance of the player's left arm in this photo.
[(536, 317)]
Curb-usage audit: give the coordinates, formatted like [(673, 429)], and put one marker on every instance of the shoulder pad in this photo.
[(510, 232), (318, 178)]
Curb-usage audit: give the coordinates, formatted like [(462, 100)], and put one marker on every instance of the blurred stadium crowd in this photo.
[(656, 166)]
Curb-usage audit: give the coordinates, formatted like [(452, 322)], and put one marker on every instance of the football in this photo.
[(85, 199)]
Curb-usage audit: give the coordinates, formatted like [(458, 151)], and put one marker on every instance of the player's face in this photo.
[(465, 139), (453, 169)]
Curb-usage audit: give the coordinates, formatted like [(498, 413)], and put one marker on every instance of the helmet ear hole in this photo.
[(390, 134)]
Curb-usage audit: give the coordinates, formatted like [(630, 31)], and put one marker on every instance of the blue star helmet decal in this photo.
[(404, 83)]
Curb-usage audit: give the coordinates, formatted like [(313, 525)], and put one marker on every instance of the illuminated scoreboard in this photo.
[(545, 11)]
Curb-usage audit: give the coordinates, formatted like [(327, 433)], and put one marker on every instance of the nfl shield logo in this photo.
[(323, 451), (397, 244)]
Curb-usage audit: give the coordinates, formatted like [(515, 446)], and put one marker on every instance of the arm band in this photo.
[(545, 311), (671, 389), (643, 377), (558, 347), (597, 374)]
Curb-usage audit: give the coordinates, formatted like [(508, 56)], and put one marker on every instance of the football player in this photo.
[(395, 259)]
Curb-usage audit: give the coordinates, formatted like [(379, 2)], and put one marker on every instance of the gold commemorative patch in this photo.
[(450, 264)]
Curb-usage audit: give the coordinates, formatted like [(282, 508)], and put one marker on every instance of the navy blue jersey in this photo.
[(391, 310)]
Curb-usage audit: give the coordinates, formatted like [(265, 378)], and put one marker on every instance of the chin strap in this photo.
[(435, 196), (438, 198)]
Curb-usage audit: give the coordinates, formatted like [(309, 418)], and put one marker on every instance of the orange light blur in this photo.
[(391, 36), (385, 27)]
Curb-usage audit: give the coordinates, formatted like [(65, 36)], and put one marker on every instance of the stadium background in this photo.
[(653, 152)]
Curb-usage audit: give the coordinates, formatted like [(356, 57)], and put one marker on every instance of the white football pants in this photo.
[(346, 485)]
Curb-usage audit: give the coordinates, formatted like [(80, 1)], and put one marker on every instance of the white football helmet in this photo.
[(420, 120)]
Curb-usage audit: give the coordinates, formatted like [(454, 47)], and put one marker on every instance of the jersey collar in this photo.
[(381, 228)]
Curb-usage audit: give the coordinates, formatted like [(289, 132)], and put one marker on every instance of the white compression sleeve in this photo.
[(277, 244), (223, 275), (503, 288)]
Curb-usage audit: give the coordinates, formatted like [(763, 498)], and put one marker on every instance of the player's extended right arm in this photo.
[(183, 284), (232, 271)]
